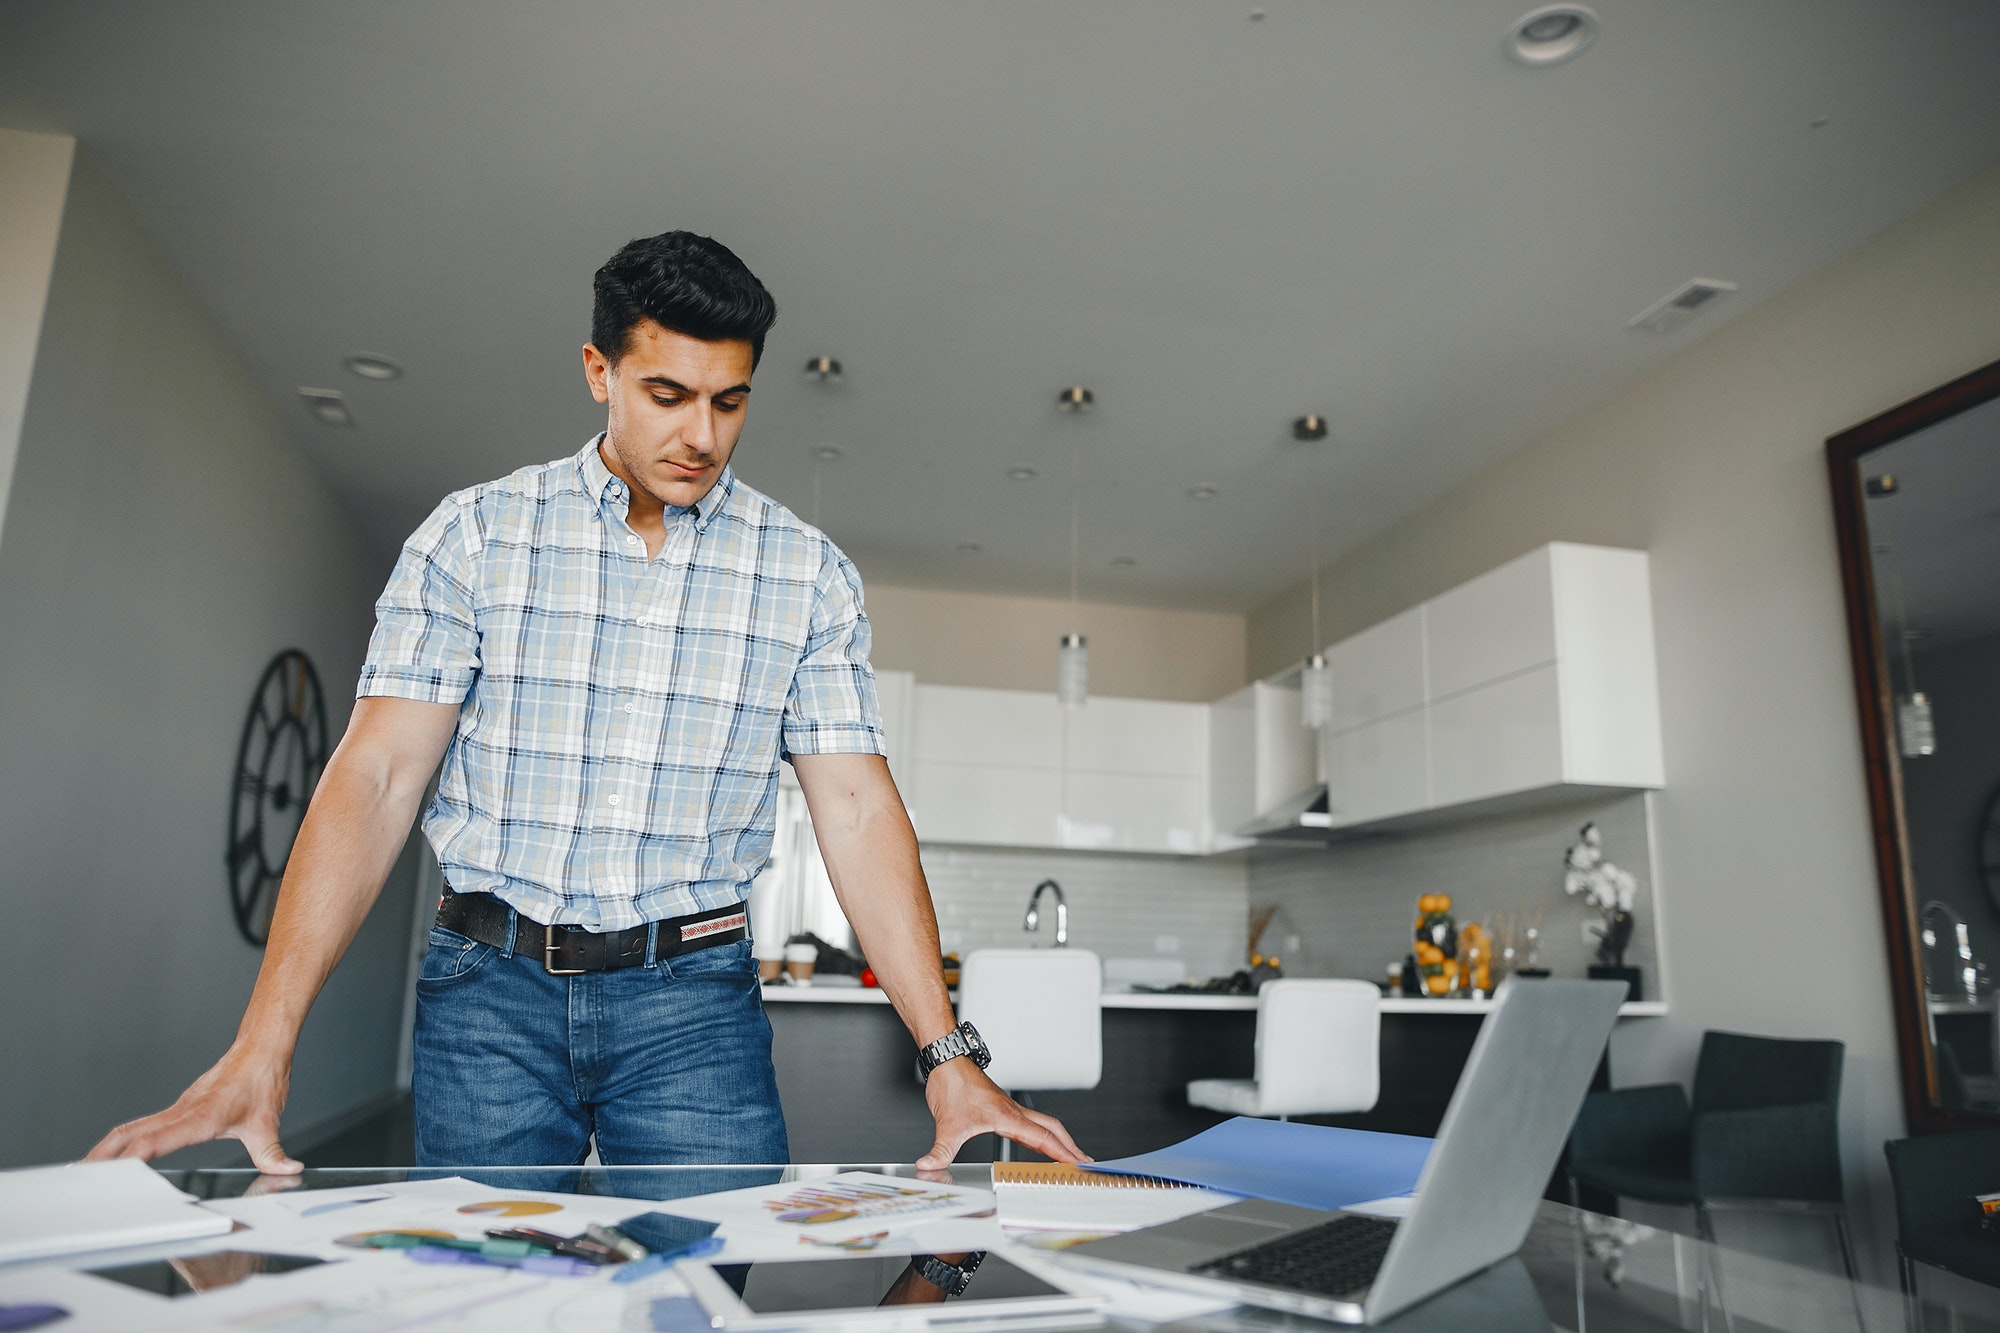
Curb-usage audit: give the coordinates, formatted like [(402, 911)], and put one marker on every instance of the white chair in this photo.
[(1039, 1012), (1318, 1053)]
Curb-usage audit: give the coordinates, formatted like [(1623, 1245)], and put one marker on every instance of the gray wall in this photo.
[(163, 539), (1715, 463), (1945, 795), (1353, 906)]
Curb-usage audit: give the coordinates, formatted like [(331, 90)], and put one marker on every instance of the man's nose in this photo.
[(700, 432)]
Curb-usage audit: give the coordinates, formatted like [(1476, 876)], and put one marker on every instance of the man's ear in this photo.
[(597, 373)]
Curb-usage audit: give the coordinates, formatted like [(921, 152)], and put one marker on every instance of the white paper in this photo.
[(51, 1210), (832, 1210)]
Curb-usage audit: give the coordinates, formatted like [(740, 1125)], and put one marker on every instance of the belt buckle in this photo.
[(549, 947)]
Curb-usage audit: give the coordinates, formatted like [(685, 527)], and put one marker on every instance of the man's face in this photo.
[(676, 409)]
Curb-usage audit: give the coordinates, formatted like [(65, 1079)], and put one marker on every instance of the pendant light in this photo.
[(1073, 653), (1316, 679)]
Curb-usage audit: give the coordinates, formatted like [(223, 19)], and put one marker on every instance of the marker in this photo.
[(491, 1249), (662, 1259)]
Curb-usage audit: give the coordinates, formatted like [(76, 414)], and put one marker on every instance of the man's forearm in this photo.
[(866, 840)]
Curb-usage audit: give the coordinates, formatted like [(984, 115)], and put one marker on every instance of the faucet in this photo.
[(1968, 972), (1033, 920)]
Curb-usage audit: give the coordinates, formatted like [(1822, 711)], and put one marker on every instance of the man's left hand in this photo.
[(965, 1102)]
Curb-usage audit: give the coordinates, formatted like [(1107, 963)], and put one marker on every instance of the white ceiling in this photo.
[(1215, 221)]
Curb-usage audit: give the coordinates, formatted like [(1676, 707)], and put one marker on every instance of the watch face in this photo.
[(975, 1045)]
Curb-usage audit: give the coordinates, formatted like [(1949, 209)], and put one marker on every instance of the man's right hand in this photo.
[(240, 1098), (357, 822)]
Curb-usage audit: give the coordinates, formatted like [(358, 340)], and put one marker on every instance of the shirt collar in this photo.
[(604, 488)]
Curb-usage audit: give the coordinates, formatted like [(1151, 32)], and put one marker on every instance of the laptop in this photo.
[(1481, 1185)]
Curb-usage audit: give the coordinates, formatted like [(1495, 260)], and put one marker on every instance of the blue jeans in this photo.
[(665, 1065)]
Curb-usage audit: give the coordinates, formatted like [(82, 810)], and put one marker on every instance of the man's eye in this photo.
[(728, 404), (667, 402)]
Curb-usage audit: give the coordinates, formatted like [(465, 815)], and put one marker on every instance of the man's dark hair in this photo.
[(684, 282)]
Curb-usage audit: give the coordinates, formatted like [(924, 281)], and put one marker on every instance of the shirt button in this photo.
[(631, 708), (611, 800), (631, 541)]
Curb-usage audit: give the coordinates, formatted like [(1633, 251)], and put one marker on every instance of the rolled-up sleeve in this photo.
[(832, 707), (426, 640)]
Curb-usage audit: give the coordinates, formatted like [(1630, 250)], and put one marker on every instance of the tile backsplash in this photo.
[(1352, 905), (1119, 906)]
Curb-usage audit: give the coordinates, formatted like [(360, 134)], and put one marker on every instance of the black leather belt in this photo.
[(569, 951)]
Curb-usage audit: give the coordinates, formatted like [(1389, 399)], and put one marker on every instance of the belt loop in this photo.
[(513, 928), (652, 942)]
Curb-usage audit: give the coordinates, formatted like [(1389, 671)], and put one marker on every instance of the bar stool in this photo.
[(1039, 1012), (1318, 1053)]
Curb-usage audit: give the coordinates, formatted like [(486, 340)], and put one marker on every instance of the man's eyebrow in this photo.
[(661, 381)]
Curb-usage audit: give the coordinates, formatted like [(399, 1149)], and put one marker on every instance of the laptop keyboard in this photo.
[(1337, 1258)]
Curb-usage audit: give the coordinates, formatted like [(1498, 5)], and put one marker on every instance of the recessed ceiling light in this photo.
[(969, 548), (1076, 398), (328, 406), (825, 369), (829, 453), (373, 366), (1022, 473), (1552, 34), (1203, 493), (1124, 561), (1310, 427)]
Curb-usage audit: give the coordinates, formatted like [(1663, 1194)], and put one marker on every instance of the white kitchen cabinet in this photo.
[(1497, 738), (1497, 625), (1379, 770), (986, 805), (1133, 812), (959, 724), (1379, 672), (993, 768), (1139, 736), (1536, 680)]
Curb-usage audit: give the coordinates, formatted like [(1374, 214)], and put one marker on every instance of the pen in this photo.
[(615, 1240), (575, 1248), (491, 1249), (653, 1263), (550, 1265)]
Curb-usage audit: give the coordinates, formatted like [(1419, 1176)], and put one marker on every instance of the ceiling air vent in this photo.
[(1681, 305)]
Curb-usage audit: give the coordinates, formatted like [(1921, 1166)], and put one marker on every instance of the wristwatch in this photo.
[(961, 1040), (951, 1279)]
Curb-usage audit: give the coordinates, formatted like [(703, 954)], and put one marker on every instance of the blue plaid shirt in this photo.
[(620, 721)]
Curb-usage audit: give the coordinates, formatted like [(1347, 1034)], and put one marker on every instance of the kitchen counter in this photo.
[(823, 994)]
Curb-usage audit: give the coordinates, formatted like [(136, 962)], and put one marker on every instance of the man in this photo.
[(611, 654)]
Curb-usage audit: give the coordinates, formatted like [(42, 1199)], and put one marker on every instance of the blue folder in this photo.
[(1315, 1166)]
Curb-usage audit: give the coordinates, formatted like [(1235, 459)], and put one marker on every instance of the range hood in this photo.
[(1303, 818)]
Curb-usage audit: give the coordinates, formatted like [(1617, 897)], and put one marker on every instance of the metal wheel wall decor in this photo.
[(278, 764)]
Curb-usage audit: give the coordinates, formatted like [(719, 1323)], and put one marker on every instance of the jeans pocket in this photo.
[(451, 957), (725, 962)]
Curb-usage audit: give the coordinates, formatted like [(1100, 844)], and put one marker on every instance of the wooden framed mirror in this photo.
[(1916, 507)]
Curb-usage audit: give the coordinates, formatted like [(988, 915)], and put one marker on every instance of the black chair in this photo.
[(1934, 1179), (1763, 1129)]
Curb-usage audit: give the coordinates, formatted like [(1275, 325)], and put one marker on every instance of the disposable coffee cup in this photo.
[(799, 962), (769, 968)]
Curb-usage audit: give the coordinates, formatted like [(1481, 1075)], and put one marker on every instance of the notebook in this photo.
[(50, 1210), (1048, 1196)]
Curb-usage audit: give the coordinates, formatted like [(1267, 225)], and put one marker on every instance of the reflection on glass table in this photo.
[(1577, 1270)]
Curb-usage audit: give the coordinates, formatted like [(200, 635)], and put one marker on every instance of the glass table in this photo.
[(1577, 1270)]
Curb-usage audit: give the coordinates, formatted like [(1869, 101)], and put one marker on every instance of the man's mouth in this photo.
[(686, 469)]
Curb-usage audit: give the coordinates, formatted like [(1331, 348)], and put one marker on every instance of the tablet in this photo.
[(888, 1291)]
